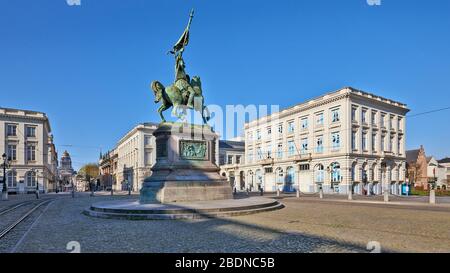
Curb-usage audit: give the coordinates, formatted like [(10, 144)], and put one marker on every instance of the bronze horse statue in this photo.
[(171, 96)]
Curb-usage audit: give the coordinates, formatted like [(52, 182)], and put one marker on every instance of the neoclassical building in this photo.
[(231, 156), (341, 141), (136, 154), (26, 139)]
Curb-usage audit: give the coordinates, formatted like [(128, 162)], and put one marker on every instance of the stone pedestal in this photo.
[(186, 168)]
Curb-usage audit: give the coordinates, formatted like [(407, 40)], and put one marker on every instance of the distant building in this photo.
[(132, 159), (231, 157), (25, 137), (66, 172), (436, 173), (108, 169), (417, 168), (445, 162)]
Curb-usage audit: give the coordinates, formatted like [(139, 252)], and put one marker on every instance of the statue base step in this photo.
[(184, 191)]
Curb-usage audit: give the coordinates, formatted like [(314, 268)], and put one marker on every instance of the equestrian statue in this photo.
[(184, 93)]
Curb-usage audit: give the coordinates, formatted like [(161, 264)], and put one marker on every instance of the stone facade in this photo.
[(445, 162), (341, 141), (25, 136), (417, 165), (231, 156), (108, 169), (135, 154)]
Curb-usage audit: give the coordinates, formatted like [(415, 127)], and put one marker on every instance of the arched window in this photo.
[(31, 179), (335, 172), (290, 178), (11, 179), (319, 173)]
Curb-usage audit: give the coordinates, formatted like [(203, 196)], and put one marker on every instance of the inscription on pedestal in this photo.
[(193, 150)]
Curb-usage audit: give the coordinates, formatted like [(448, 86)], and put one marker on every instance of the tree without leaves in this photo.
[(90, 170)]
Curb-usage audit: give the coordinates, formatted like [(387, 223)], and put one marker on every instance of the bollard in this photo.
[(278, 192), (350, 195), (298, 193), (386, 196), (432, 197), (321, 194)]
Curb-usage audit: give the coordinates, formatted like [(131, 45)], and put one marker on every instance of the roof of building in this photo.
[(227, 144), (444, 160), (346, 90), (412, 155)]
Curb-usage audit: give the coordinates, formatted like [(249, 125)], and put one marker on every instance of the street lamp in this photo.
[(4, 190)]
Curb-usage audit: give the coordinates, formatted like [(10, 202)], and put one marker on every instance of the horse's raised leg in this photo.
[(161, 109)]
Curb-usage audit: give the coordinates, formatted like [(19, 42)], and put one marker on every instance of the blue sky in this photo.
[(89, 67)]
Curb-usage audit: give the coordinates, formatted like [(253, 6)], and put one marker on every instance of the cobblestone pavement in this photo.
[(305, 225)]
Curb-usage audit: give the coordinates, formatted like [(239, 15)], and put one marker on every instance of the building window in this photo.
[(354, 113), (335, 140), (291, 127), (319, 144), (269, 132), (383, 146), (250, 136), (280, 129), (374, 142), (383, 117), (11, 179), (250, 156), (399, 123), (31, 131), (319, 174), (364, 142), (364, 116), (31, 179), (238, 159), (336, 172), (280, 151), (291, 148), (304, 123), (11, 130), (12, 152), (335, 117), (259, 153), (304, 147), (391, 122), (374, 118), (391, 144), (31, 153), (399, 145), (303, 167), (230, 159), (147, 140), (319, 119), (354, 141), (258, 135), (148, 158), (280, 176)]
